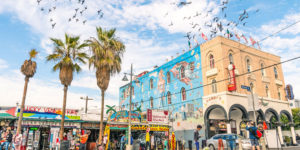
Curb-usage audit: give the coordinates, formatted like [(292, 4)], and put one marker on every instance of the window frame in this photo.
[(248, 65), (230, 57), (183, 94), (214, 86), (168, 77), (211, 61), (151, 84), (275, 73), (182, 72), (151, 102), (169, 98)]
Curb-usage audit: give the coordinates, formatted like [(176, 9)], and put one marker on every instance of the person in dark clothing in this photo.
[(252, 132), (297, 137), (196, 136)]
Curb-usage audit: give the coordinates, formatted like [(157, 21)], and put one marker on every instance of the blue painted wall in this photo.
[(187, 113)]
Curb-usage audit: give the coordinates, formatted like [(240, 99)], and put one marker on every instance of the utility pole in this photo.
[(86, 102), (253, 104), (129, 114)]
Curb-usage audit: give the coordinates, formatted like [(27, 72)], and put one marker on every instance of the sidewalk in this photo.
[(286, 148)]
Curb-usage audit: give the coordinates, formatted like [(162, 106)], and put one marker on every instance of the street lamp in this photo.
[(128, 147)]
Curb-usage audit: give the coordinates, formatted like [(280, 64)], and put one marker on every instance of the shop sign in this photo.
[(37, 109), (152, 127), (232, 81), (118, 126), (222, 126), (90, 125), (157, 116), (122, 116)]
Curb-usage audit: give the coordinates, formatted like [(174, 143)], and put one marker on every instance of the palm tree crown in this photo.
[(29, 67), (67, 55)]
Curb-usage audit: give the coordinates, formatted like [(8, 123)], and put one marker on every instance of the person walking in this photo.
[(147, 141), (122, 142), (83, 140), (17, 141), (196, 136), (253, 137)]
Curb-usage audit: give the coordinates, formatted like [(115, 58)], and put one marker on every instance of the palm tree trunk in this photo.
[(61, 133), (22, 105), (101, 119)]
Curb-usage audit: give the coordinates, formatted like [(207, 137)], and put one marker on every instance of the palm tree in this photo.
[(28, 69), (107, 51), (67, 56)]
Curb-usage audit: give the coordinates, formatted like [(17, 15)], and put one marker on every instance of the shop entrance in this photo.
[(215, 118)]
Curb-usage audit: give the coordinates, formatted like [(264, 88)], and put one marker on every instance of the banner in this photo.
[(157, 116), (152, 127), (232, 82)]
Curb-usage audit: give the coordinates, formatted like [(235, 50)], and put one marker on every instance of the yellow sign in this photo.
[(152, 127)]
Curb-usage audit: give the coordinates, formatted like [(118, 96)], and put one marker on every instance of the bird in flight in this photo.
[(53, 25)]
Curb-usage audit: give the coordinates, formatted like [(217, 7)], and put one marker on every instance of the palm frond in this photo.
[(32, 54)]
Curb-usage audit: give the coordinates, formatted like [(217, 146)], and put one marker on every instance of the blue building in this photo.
[(171, 87)]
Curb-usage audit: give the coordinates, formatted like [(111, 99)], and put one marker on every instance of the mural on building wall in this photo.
[(186, 108)]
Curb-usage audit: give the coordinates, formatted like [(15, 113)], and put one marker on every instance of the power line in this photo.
[(247, 46), (227, 79)]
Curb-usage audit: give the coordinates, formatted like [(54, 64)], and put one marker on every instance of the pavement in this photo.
[(286, 148)]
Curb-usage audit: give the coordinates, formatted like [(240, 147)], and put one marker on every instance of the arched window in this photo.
[(267, 91), (182, 71), (151, 102), (214, 86), (275, 73), (168, 77), (279, 95), (230, 58), (248, 65), (211, 61), (142, 87), (151, 83), (262, 69), (183, 94), (169, 98), (132, 90)]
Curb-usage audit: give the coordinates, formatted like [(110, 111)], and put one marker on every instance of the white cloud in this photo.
[(3, 64)]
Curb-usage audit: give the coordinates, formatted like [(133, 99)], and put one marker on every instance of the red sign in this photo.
[(158, 116), (232, 82), (149, 115)]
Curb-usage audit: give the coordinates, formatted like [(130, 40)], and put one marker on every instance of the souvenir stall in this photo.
[(41, 126)]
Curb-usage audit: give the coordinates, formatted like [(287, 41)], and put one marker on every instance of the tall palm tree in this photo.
[(107, 51), (67, 56), (28, 69)]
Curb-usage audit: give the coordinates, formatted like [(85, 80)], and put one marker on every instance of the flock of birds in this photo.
[(216, 26), (77, 15)]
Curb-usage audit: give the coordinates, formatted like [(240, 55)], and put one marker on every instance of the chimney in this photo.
[(155, 66), (172, 57), (167, 60), (183, 51), (177, 54)]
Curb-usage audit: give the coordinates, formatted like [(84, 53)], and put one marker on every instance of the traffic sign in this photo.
[(245, 87)]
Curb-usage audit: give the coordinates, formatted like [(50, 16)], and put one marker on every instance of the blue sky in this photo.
[(144, 28)]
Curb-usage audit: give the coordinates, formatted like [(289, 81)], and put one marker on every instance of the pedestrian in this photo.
[(147, 140), (8, 139), (152, 141), (122, 142), (297, 137), (17, 141), (197, 136), (83, 140), (166, 144), (253, 137)]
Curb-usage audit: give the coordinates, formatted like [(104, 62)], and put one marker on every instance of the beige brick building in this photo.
[(268, 86)]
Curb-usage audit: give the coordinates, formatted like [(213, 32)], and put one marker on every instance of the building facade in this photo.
[(204, 87)]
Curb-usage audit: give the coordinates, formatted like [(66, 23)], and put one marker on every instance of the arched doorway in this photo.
[(215, 118), (287, 127), (237, 115), (271, 117), (260, 116)]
